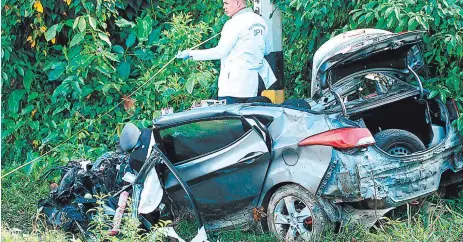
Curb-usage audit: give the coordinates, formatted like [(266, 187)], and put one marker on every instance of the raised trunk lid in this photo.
[(362, 49)]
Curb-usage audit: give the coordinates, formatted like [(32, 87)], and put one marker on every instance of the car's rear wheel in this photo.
[(295, 215), (398, 142)]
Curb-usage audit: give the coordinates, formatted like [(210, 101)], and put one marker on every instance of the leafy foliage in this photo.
[(67, 62), (71, 61)]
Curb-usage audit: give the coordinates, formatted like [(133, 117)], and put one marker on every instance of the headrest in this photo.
[(129, 137)]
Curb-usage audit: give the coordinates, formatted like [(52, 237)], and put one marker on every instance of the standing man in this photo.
[(243, 44)]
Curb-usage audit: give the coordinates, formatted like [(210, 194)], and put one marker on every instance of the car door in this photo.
[(224, 161)]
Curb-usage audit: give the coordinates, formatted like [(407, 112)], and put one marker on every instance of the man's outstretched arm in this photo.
[(228, 38)]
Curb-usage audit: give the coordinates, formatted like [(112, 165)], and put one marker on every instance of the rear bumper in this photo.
[(375, 175)]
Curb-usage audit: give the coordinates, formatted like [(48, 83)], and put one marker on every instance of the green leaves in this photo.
[(105, 69), (124, 70), (89, 77), (144, 27), (77, 39), (412, 24), (76, 22), (67, 128), (105, 38), (118, 49), (190, 84), (82, 25), (130, 40), (154, 36), (51, 32), (92, 22), (20, 70), (122, 23), (57, 70), (69, 84), (459, 124), (144, 54), (28, 78), (34, 157), (14, 100)]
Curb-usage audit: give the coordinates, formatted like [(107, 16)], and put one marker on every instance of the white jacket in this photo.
[(243, 43)]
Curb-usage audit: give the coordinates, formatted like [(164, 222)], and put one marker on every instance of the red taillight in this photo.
[(341, 138)]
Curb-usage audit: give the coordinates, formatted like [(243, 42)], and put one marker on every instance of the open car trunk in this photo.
[(421, 117), (372, 76), (382, 99)]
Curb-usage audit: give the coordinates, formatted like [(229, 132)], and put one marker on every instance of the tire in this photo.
[(398, 142), (309, 217)]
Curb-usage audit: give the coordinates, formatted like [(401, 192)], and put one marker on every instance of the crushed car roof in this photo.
[(231, 110), (197, 113)]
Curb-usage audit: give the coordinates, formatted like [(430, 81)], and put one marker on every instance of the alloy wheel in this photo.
[(293, 219)]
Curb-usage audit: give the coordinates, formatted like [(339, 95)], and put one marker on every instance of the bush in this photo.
[(67, 63), (70, 62)]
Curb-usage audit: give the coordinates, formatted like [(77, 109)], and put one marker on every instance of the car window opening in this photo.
[(193, 140)]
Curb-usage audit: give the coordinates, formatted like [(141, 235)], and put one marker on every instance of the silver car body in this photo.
[(230, 182)]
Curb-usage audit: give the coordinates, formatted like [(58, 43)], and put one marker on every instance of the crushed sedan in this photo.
[(367, 141)]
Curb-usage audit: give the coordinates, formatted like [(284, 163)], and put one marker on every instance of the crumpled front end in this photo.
[(69, 201), (111, 180)]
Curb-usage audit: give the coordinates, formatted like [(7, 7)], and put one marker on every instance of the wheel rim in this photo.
[(399, 150), (293, 219)]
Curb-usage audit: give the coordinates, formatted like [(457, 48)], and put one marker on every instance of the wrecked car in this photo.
[(367, 141)]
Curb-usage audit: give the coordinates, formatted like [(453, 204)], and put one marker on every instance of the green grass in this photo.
[(20, 194), (187, 230), (437, 219)]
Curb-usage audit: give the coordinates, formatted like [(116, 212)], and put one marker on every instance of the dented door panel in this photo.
[(225, 181)]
